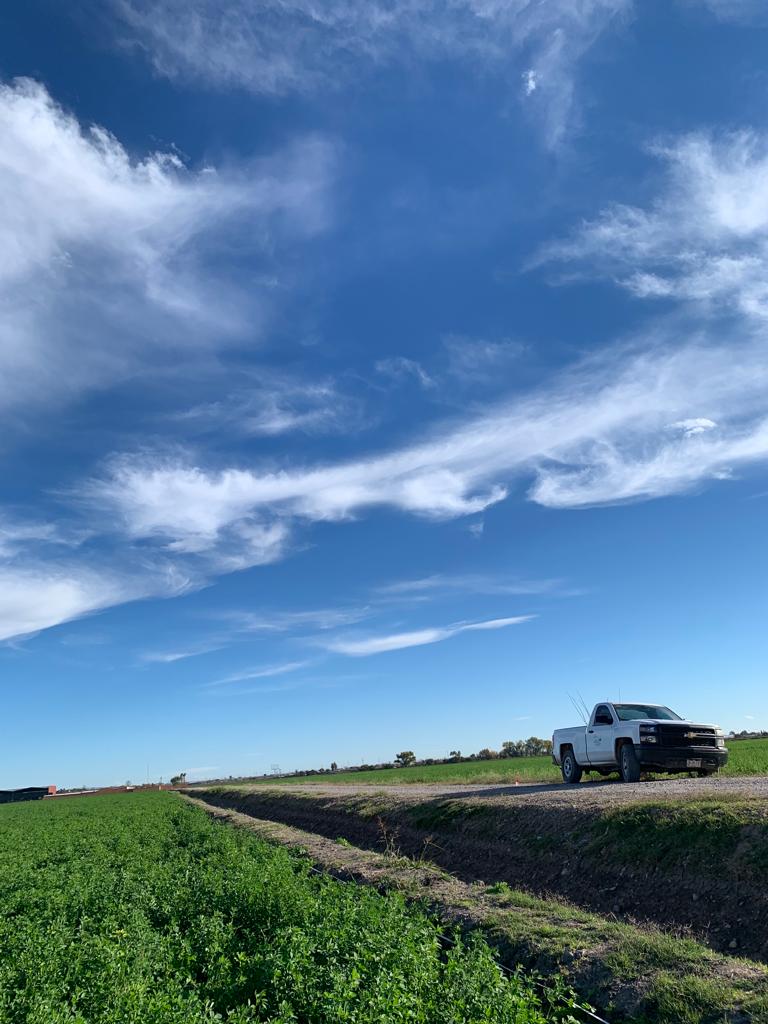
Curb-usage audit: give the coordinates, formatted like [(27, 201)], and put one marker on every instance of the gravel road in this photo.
[(586, 795)]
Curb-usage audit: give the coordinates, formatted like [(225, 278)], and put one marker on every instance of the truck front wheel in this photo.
[(629, 766), (571, 770)]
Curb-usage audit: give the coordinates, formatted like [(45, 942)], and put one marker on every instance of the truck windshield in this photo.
[(630, 712)]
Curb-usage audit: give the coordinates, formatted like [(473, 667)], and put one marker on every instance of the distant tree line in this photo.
[(532, 747)]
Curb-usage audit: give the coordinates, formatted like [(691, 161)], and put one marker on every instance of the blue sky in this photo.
[(374, 375)]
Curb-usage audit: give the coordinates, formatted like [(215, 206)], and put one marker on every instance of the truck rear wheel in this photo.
[(572, 771), (629, 766)]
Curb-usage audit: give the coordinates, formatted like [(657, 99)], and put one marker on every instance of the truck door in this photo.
[(600, 736)]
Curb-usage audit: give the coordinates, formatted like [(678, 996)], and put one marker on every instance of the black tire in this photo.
[(629, 766), (572, 771), (707, 773)]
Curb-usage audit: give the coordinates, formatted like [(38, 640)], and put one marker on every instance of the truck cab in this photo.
[(637, 737)]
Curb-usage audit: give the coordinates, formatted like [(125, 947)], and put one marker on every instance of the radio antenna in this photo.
[(578, 708), (584, 709)]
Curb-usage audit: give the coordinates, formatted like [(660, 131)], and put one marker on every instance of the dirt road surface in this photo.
[(586, 795)]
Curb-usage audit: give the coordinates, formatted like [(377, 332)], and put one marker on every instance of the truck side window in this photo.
[(603, 716)]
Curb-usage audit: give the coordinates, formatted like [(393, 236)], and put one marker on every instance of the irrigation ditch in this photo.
[(457, 860), (698, 867)]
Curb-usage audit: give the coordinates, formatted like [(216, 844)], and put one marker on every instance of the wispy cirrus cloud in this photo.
[(681, 405), (744, 11), (462, 362), (261, 672), (601, 434), (35, 597), (170, 657), (468, 583), (274, 48), (483, 360), (240, 626), (400, 368), (288, 621), (359, 647), (110, 263), (16, 534), (703, 240), (277, 405)]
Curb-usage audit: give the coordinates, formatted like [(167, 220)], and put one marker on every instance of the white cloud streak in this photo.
[(365, 646), (169, 657), (277, 406), (470, 583), (703, 240), (104, 260), (261, 672), (741, 11), (299, 619), (33, 599), (271, 47), (401, 368), (14, 536)]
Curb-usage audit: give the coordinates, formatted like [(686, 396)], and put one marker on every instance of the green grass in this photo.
[(747, 757), (140, 910), (679, 980), (506, 770), (702, 835)]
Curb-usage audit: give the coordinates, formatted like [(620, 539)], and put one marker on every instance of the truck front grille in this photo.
[(687, 736)]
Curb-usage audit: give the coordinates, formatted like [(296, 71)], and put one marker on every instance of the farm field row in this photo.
[(747, 757), (140, 909)]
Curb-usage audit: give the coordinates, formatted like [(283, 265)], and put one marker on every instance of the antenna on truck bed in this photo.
[(580, 706)]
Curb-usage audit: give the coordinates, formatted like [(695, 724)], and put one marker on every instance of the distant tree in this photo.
[(334, 766), (535, 747), (455, 755), (486, 754), (511, 748), (179, 780), (405, 759)]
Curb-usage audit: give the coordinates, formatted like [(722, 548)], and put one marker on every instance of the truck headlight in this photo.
[(720, 741), (648, 734)]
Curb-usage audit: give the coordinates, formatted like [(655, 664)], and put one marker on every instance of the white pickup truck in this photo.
[(636, 738)]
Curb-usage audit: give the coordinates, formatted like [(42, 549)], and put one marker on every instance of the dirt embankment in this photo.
[(697, 866)]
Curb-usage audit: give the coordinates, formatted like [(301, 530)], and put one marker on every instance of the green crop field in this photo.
[(506, 770), (747, 757), (137, 909)]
